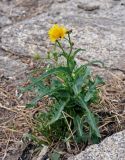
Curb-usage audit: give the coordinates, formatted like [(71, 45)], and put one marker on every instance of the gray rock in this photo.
[(88, 7), (4, 21), (101, 33), (18, 10), (10, 67), (112, 148), (25, 38)]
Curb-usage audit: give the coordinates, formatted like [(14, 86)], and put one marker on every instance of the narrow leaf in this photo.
[(58, 108), (79, 82), (77, 51), (46, 74), (78, 126), (90, 117), (96, 63)]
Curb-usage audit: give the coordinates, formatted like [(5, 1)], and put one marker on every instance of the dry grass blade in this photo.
[(5, 153)]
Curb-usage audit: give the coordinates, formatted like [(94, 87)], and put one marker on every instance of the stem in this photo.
[(64, 53), (60, 46), (70, 43), (55, 47), (69, 55)]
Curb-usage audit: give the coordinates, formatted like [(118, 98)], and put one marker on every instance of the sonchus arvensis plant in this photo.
[(72, 91)]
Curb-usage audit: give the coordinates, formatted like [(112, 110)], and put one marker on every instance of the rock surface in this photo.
[(99, 28), (100, 31), (12, 12), (10, 67), (4, 21), (112, 148)]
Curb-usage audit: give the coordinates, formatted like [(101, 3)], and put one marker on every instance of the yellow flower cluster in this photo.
[(57, 32)]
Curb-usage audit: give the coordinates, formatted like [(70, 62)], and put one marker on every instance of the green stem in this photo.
[(70, 52), (64, 53), (70, 43), (60, 46)]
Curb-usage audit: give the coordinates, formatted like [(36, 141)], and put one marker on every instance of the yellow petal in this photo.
[(56, 32)]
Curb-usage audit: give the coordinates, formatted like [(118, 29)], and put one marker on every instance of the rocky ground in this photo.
[(98, 26)]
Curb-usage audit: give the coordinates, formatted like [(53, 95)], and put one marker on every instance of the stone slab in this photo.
[(100, 32), (11, 68), (112, 148)]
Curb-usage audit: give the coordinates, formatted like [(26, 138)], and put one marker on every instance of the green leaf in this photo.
[(92, 122), (41, 91), (96, 62), (55, 83), (55, 55), (94, 138), (78, 126), (48, 73), (98, 81), (77, 51), (90, 117), (92, 91), (79, 82), (88, 96), (72, 63), (57, 111), (53, 71)]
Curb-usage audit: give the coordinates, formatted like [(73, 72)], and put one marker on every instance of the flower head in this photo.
[(57, 32)]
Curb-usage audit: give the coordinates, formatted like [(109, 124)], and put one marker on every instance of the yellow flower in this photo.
[(57, 32)]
